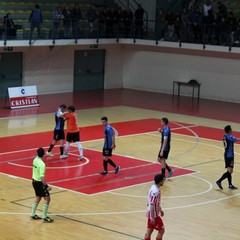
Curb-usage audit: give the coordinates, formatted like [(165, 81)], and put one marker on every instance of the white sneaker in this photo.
[(81, 158), (63, 156), (49, 154)]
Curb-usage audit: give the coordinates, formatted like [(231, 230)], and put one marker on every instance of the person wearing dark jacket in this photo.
[(139, 21), (9, 27), (35, 20), (76, 17)]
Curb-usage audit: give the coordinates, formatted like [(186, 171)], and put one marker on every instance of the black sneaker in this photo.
[(47, 220), (117, 169), (219, 185), (35, 217), (104, 173), (232, 187)]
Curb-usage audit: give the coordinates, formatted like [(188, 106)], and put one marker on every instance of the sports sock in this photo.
[(105, 163), (34, 208), (80, 148), (67, 145), (45, 209), (61, 150), (110, 161), (229, 177), (224, 176), (163, 171), (50, 148), (168, 168)]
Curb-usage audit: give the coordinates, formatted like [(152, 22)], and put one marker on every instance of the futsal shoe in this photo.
[(63, 156), (104, 173), (219, 185), (170, 173), (47, 220), (81, 158), (117, 170), (49, 154), (232, 187), (35, 217)]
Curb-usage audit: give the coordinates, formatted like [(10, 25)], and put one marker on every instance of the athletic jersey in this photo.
[(154, 198), (59, 120), (166, 132), (228, 143), (71, 118), (39, 169), (108, 134)]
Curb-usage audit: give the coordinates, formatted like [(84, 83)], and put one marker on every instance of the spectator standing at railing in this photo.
[(119, 22), (206, 7), (232, 26), (35, 20), (223, 31), (196, 23), (92, 18), (76, 17), (222, 10), (184, 24), (102, 19), (9, 27), (110, 23), (170, 21), (139, 13), (161, 25), (127, 20), (66, 21), (57, 18)]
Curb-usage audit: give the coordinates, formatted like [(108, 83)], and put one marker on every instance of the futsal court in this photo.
[(86, 205)]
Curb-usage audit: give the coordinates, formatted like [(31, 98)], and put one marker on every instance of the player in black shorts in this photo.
[(165, 147), (58, 134)]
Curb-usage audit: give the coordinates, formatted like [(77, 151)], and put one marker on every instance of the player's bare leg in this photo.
[(148, 234), (160, 235)]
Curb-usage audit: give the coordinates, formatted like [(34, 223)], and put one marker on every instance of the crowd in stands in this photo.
[(209, 23)]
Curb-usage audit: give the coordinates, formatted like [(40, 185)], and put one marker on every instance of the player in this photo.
[(228, 142), (73, 134), (154, 210), (40, 186), (165, 147), (58, 134), (109, 145)]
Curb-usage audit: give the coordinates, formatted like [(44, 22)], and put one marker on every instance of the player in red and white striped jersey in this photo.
[(154, 210)]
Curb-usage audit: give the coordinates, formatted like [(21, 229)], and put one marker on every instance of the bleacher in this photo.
[(20, 11)]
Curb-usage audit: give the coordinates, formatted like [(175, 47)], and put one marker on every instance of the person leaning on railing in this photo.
[(9, 27)]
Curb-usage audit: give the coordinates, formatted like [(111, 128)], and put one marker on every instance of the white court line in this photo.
[(71, 166), (210, 186)]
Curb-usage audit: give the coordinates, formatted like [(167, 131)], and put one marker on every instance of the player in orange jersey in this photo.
[(73, 134)]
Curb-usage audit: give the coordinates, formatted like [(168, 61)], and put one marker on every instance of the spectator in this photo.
[(196, 22), (35, 20), (161, 23), (57, 17), (222, 10), (102, 22), (208, 27), (170, 21), (184, 24), (66, 21), (223, 31), (76, 17), (206, 7), (127, 22), (139, 21), (9, 26), (91, 17), (110, 23), (119, 22), (232, 26)]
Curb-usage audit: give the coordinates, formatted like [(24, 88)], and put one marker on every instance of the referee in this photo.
[(40, 187)]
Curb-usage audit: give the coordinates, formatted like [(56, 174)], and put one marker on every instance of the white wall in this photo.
[(156, 71), (52, 70)]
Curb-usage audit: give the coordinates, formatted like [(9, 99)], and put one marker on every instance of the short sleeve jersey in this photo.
[(154, 198), (71, 118), (59, 121), (228, 143), (108, 134), (39, 169), (166, 132)]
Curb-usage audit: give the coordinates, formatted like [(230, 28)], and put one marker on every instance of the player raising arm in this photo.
[(154, 210), (228, 142)]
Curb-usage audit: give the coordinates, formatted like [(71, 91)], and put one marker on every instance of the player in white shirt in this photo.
[(154, 210)]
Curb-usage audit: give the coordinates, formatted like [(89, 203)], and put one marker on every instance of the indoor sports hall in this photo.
[(135, 82)]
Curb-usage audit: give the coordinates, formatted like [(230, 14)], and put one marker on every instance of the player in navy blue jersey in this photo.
[(58, 134), (228, 143), (109, 145), (165, 146)]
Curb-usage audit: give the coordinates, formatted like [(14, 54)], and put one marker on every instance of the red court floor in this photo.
[(219, 110)]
